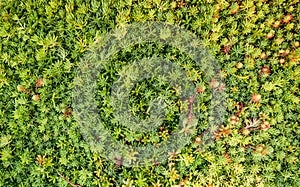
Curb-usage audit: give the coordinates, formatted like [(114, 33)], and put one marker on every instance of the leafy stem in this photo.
[(67, 179)]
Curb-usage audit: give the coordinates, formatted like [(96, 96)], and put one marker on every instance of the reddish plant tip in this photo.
[(233, 120), (68, 112), (235, 10), (222, 86), (265, 125), (241, 109), (256, 98), (21, 88), (259, 148), (191, 99), (226, 155), (226, 49), (200, 89), (287, 18), (39, 82)]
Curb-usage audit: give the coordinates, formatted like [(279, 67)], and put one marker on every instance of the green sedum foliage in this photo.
[(255, 42)]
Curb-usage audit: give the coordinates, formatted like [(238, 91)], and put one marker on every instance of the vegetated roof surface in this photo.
[(255, 43)]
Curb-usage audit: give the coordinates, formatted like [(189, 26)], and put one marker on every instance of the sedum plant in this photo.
[(256, 43)]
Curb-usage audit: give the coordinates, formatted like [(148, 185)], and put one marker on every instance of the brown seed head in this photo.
[(263, 55), (265, 71), (239, 65), (282, 61), (270, 35), (284, 52), (287, 18), (213, 83), (276, 24), (36, 97), (20, 88)]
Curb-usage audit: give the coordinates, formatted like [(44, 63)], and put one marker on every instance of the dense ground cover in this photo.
[(256, 44)]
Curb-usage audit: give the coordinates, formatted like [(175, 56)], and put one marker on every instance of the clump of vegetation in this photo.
[(255, 42)]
